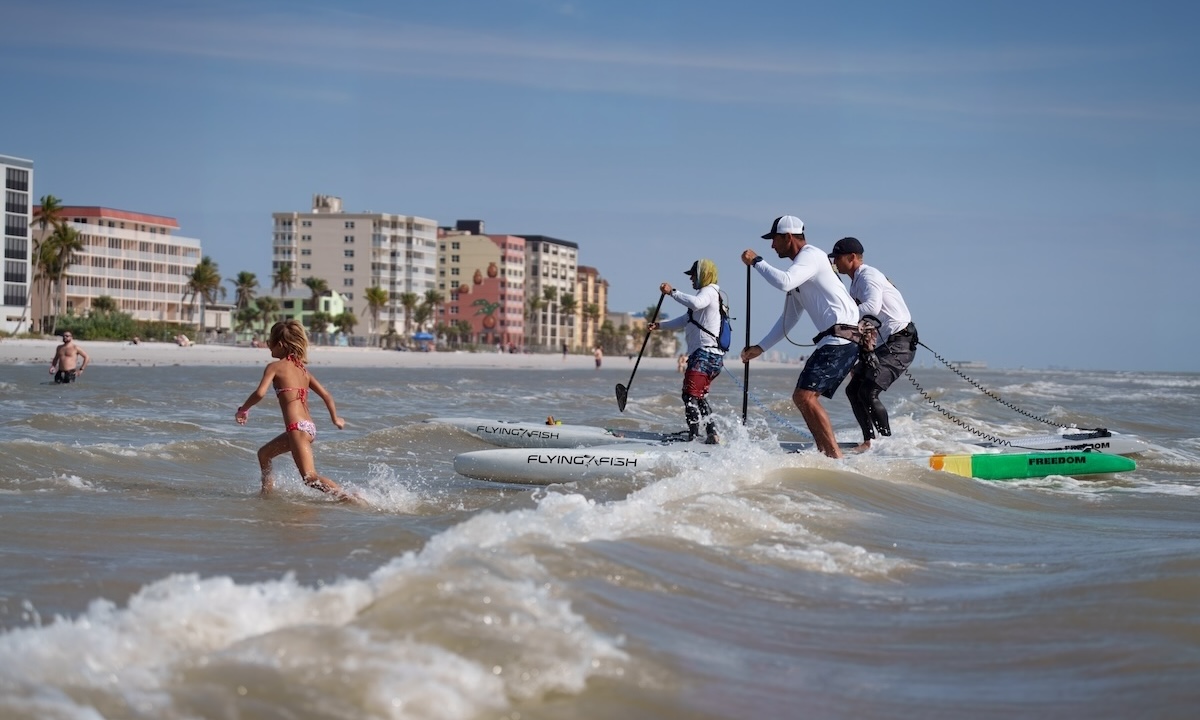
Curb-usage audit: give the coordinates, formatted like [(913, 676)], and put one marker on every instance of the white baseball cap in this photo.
[(785, 225)]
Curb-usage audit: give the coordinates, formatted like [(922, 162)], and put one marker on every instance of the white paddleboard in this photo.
[(538, 435), (1110, 443), (546, 466)]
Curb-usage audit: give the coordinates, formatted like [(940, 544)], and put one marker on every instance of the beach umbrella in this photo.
[(422, 336)]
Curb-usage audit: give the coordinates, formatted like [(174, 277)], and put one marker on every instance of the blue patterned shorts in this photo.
[(827, 368)]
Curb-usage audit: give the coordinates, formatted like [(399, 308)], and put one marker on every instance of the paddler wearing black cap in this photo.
[(894, 348)]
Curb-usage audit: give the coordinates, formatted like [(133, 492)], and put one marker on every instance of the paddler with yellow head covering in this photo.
[(705, 326)]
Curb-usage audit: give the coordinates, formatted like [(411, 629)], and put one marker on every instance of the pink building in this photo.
[(482, 278)]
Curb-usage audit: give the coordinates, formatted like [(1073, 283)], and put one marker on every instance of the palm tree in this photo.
[(268, 309), (464, 330), (105, 304), (244, 287), (318, 323), (47, 214), (346, 321), (377, 300), (318, 287), (283, 280), (434, 298), (591, 313), (204, 284), (422, 313), (43, 280), (654, 314), (246, 317), (60, 252), (568, 306), (408, 301)]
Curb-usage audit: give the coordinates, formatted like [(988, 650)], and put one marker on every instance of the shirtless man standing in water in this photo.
[(62, 367)]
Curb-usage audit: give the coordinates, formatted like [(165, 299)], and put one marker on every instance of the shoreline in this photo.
[(154, 354)]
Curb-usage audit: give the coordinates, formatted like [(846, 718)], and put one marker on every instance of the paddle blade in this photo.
[(622, 396)]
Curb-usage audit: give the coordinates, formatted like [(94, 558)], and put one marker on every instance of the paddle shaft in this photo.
[(645, 340), (746, 376)]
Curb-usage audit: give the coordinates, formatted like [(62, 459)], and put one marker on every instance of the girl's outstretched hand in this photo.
[(340, 423)]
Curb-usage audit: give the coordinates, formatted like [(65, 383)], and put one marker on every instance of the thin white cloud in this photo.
[(340, 41)]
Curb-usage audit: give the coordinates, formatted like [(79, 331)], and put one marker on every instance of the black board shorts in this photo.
[(895, 356)]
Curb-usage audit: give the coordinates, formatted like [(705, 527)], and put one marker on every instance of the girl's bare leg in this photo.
[(273, 449), (301, 447)]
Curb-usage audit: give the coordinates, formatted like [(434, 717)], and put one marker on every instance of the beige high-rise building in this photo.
[(550, 276), (591, 291), (355, 251), (134, 258), (18, 186)]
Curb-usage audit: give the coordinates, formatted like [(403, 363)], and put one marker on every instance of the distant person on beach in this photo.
[(598, 353), (702, 327), (894, 347), (66, 357), (288, 343), (564, 349), (182, 340), (810, 284)]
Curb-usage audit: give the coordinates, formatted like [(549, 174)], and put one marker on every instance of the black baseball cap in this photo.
[(693, 270), (846, 246)]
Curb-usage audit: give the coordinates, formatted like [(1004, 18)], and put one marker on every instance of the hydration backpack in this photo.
[(726, 334)]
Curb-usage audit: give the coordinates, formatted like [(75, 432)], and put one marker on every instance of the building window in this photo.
[(348, 267), (348, 239), (306, 251), (16, 179), (348, 253), (350, 224), (453, 258), (348, 282), (306, 266)]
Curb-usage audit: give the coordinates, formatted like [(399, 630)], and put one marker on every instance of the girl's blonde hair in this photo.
[(291, 335)]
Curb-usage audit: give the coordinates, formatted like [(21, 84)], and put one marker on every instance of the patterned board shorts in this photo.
[(827, 368), (702, 368)]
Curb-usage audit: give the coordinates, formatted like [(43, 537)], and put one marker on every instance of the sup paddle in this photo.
[(746, 378), (623, 390)]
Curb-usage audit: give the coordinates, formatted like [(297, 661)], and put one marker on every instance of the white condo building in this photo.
[(134, 258), (352, 252), (551, 268), (18, 185)]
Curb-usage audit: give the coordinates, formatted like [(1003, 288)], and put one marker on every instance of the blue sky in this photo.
[(1025, 172)]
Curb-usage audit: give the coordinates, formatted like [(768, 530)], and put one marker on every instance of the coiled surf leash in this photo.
[(994, 396)]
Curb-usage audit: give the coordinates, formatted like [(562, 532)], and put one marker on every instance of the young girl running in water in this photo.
[(289, 345)]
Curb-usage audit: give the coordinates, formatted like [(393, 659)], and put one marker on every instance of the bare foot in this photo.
[(352, 498), (861, 448)]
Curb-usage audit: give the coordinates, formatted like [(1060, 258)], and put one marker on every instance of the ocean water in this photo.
[(141, 575)]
